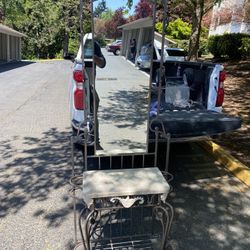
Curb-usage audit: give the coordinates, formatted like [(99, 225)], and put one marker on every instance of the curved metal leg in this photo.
[(172, 244), (86, 229), (164, 213)]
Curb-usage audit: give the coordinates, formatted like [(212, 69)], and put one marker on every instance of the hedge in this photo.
[(184, 44), (233, 46), (245, 47)]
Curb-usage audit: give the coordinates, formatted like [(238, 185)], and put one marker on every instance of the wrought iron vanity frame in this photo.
[(89, 217)]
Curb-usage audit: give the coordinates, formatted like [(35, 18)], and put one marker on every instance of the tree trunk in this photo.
[(196, 29), (66, 44)]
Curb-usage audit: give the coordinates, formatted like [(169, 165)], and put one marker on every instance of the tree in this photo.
[(129, 3), (11, 12), (197, 9), (107, 15), (100, 27), (247, 11), (207, 19), (117, 20), (68, 14), (41, 26), (143, 9), (101, 7)]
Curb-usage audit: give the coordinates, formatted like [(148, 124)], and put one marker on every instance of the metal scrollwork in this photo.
[(128, 201)]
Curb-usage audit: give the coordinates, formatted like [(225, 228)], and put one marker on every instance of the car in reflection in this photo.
[(115, 47), (170, 54)]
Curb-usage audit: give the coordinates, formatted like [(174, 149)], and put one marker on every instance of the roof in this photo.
[(140, 23), (144, 23), (158, 37), (9, 31)]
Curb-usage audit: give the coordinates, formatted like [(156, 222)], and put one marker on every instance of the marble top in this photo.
[(123, 182)]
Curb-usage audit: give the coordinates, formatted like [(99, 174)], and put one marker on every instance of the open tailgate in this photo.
[(194, 123)]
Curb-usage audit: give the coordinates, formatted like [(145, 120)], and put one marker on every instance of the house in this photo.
[(10, 44), (230, 16)]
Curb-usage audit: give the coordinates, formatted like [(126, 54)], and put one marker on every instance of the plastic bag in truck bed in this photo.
[(178, 95)]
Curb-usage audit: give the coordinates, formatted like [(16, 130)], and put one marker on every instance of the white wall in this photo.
[(230, 28), (234, 10), (10, 49)]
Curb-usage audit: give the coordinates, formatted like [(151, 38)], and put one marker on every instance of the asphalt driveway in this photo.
[(35, 210), (212, 208)]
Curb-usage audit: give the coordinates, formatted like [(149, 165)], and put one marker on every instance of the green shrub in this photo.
[(245, 47), (158, 27), (203, 50), (179, 29), (228, 45), (212, 46), (101, 41), (176, 29), (182, 44), (59, 55), (204, 32), (73, 46)]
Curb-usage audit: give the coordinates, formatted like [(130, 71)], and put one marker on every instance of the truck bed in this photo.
[(193, 117)]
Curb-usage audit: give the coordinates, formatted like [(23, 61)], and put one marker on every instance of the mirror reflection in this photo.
[(122, 86)]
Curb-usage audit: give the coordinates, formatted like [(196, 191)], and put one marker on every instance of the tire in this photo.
[(78, 146), (117, 52)]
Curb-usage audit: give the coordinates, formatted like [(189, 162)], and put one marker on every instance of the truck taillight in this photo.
[(220, 92), (222, 76), (79, 99), (78, 76), (79, 96), (79, 92)]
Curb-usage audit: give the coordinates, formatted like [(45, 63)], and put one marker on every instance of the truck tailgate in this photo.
[(193, 123)]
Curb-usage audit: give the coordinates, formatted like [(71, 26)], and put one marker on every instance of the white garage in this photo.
[(140, 30), (10, 44)]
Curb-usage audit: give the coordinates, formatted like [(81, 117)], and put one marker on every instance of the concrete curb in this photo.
[(238, 169), (49, 60)]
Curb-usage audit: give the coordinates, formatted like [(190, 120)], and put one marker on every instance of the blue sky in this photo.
[(115, 4)]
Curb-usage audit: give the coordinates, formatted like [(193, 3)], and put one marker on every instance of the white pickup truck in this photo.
[(143, 61), (192, 95)]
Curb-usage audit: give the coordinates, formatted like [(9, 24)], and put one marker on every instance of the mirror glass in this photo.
[(122, 87)]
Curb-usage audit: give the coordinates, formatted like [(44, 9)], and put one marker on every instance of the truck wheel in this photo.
[(78, 146), (117, 52)]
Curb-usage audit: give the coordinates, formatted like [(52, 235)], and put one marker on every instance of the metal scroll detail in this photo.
[(128, 201)]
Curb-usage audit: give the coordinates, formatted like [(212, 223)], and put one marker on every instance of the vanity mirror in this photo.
[(122, 87)]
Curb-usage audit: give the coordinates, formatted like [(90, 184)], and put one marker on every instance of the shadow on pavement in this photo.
[(13, 65), (33, 173), (211, 212), (120, 110), (211, 207)]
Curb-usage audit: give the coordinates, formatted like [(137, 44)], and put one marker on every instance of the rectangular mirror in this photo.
[(122, 85)]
